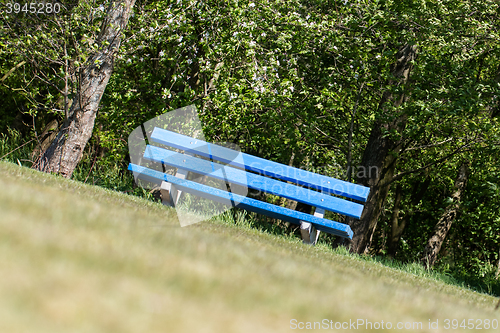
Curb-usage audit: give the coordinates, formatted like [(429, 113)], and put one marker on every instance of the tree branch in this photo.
[(430, 145), (404, 173)]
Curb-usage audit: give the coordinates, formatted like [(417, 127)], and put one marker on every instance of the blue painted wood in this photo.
[(254, 181), (332, 227), (260, 165)]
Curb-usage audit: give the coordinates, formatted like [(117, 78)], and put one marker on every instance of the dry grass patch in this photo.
[(82, 259)]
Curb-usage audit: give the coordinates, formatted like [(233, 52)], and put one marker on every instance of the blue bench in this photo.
[(255, 173)]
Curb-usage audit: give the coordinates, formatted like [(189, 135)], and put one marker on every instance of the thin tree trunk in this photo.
[(498, 269), (398, 224), (379, 158), (441, 229), (67, 149)]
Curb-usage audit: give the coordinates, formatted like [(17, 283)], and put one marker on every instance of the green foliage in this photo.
[(287, 80), (16, 148), (53, 49)]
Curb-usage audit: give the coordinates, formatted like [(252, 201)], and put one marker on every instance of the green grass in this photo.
[(79, 258)]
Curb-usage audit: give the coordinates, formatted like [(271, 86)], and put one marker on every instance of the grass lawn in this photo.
[(78, 258)]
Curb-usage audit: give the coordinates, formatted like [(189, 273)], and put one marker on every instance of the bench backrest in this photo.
[(261, 166), (254, 181)]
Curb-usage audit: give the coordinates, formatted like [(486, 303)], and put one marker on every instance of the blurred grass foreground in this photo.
[(79, 258)]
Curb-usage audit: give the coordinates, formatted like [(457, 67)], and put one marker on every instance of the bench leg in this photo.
[(166, 198), (169, 194), (305, 231), (309, 233), (176, 194)]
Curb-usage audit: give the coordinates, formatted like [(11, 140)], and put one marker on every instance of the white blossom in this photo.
[(251, 5), (161, 53)]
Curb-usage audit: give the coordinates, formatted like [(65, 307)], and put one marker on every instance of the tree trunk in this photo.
[(441, 229), (379, 158), (398, 224), (67, 148)]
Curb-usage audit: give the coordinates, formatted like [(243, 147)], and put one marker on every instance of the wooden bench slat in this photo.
[(336, 228), (260, 165), (254, 181)]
